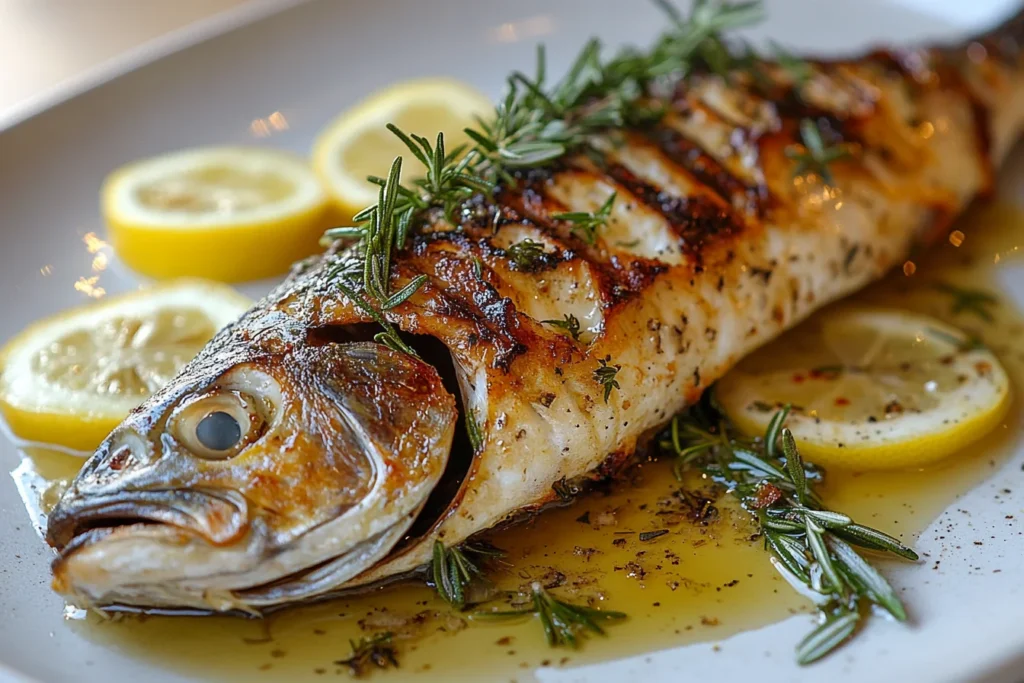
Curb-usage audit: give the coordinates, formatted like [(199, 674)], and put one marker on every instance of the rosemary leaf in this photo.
[(476, 437), (816, 542), (873, 539), (791, 557), (771, 437), (794, 465), (826, 637), (880, 589)]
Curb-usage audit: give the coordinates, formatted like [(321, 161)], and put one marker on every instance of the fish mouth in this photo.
[(218, 517)]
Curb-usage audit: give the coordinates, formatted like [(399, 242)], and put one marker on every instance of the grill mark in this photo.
[(705, 168), (456, 292), (698, 221)]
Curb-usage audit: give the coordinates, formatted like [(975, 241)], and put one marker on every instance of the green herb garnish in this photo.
[(476, 437), (973, 301), (814, 157), (605, 374), (452, 571), (569, 323), (585, 224), (811, 547), (526, 254), (375, 651), (562, 621)]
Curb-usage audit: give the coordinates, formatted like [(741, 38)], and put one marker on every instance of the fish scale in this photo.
[(712, 248)]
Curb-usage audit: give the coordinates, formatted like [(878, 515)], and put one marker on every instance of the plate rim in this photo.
[(148, 52)]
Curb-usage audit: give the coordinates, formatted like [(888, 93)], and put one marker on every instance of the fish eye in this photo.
[(219, 431), (219, 425)]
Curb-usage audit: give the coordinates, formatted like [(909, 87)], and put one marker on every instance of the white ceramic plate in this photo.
[(310, 61)]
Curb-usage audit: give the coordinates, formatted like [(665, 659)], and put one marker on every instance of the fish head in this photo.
[(274, 468)]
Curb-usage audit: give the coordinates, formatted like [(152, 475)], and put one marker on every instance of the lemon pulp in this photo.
[(224, 213), (871, 388), (71, 378)]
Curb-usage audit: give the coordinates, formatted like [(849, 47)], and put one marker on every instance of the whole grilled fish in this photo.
[(296, 458)]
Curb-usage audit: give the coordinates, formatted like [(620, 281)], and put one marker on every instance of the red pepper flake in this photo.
[(766, 495), (841, 401), (798, 378), (983, 368)]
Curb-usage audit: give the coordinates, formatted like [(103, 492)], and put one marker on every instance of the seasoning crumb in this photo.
[(709, 621)]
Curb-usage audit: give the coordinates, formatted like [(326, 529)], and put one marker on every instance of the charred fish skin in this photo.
[(712, 247)]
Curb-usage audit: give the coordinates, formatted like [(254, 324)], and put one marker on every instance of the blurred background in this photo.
[(44, 43), (47, 45)]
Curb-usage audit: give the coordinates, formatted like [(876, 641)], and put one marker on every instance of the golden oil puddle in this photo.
[(704, 580)]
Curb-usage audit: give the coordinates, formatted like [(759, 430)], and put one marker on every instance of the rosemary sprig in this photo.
[(605, 374), (534, 125), (586, 224), (813, 156), (375, 651), (569, 323), (696, 40), (562, 621), (452, 570), (966, 300), (813, 548), (382, 227)]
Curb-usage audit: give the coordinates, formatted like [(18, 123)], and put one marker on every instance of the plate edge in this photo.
[(148, 52)]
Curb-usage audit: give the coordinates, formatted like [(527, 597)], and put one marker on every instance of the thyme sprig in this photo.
[(812, 547), (562, 621), (966, 300), (569, 323), (814, 156), (585, 224), (375, 651), (604, 374), (454, 569)]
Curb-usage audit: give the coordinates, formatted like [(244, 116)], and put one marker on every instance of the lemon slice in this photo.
[(71, 378), (357, 144), (871, 389), (225, 213)]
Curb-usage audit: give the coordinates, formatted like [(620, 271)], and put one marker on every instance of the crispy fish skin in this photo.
[(713, 248)]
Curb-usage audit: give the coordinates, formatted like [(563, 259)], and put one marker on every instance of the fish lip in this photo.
[(219, 517)]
